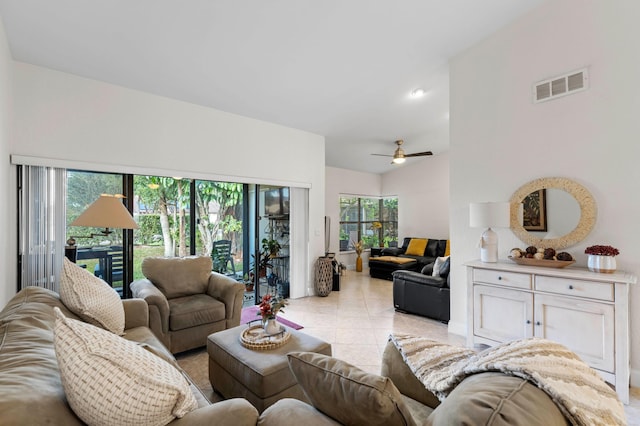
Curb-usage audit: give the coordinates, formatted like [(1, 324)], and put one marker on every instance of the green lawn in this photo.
[(139, 253)]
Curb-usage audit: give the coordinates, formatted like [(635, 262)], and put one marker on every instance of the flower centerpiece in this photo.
[(601, 250), (268, 309), (602, 258)]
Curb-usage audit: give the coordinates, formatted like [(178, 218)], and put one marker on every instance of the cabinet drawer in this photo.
[(571, 287), (507, 279)]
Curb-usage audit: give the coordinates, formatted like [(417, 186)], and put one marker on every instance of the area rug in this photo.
[(250, 313)]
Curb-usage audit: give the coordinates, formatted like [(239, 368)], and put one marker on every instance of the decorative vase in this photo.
[(359, 264), (271, 326), (603, 264)]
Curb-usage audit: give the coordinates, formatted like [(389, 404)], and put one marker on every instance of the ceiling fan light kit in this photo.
[(418, 93), (400, 157)]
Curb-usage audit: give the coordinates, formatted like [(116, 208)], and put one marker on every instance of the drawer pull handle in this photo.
[(499, 278), (570, 287), (528, 321), (537, 322)]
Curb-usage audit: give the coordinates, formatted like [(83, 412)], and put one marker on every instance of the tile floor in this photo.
[(357, 321)]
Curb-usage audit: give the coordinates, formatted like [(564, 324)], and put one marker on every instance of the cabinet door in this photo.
[(501, 314), (585, 327)]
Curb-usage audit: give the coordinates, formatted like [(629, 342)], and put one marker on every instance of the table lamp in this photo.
[(488, 215)]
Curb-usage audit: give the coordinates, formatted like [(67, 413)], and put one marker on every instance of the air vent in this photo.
[(563, 85)]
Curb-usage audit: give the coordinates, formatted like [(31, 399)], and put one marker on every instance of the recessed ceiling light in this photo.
[(418, 93)]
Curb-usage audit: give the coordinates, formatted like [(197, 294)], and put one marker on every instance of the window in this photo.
[(374, 220)]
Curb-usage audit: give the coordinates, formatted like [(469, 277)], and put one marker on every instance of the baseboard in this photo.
[(458, 328)]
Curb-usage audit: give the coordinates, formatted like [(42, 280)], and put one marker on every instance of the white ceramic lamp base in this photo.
[(489, 246)]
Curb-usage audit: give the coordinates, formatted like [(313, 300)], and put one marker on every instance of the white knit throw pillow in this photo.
[(91, 298), (109, 380)]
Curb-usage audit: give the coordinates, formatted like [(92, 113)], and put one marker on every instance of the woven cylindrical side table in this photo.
[(324, 278)]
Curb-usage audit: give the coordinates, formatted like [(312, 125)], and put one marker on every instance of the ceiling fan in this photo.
[(399, 156)]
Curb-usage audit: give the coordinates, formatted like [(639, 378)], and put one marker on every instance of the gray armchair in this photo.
[(187, 301)]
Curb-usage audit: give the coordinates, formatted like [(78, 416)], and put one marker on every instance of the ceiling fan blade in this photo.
[(383, 155), (419, 154)]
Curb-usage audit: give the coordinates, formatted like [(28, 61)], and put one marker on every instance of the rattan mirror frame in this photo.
[(588, 212)]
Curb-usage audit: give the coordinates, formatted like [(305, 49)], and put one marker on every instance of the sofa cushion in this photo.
[(438, 267), (91, 298), (433, 249), (110, 380), (416, 247), (497, 399), (177, 277), (30, 387), (195, 310), (335, 387)]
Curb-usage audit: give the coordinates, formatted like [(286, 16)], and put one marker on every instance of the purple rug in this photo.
[(251, 313)]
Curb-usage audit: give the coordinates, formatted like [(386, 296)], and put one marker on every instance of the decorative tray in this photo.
[(542, 262), (254, 337)]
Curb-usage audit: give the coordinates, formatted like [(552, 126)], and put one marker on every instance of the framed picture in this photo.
[(534, 217)]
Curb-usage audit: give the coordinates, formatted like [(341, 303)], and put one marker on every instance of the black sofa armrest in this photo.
[(420, 278)]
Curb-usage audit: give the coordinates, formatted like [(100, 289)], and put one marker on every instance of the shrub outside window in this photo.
[(374, 220)]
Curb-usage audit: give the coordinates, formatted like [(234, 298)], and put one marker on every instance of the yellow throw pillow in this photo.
[(416, 247), (447, 249)]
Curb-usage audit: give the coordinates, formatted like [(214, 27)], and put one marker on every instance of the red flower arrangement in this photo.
[(601, 250), (270, 306)]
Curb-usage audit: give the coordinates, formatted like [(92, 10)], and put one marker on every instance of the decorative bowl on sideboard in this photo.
[(548, 263)]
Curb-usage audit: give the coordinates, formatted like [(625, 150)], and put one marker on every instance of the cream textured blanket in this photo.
[(580, 393)]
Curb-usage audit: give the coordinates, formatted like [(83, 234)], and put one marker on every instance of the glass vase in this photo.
[(271, 326)]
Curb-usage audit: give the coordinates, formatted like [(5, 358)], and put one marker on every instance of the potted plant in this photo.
[(263, 263), (272, 247), (602, 258), (377, 228), (248, 282)]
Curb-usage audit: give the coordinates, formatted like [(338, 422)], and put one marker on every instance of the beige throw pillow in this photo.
[(336, 388), (109, 380), (91, 298), (437, 264)]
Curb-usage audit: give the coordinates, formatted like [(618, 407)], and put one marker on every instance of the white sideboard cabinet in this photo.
[(587, 312)]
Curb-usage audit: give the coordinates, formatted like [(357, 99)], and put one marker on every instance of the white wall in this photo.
[(62, 116), (501, 140), (7, 219), (422, 188)]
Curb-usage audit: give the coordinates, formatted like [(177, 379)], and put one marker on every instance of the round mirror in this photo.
[(552, 212)]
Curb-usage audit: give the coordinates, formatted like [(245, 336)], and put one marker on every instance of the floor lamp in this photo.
[(488, 215), (106, 212)]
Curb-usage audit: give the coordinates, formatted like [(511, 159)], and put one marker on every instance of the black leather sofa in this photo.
[(435, 248), (379, 268), (421, 293)]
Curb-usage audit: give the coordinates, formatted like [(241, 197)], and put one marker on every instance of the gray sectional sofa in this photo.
[(31, 389)]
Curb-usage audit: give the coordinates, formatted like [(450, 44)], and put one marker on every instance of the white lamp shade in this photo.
[(106, 212), (490, 215)]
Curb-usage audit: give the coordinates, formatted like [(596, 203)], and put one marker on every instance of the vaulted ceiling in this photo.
[(339, 68)]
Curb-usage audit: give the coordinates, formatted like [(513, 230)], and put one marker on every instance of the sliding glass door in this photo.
[(243, 227), (102, 255)]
